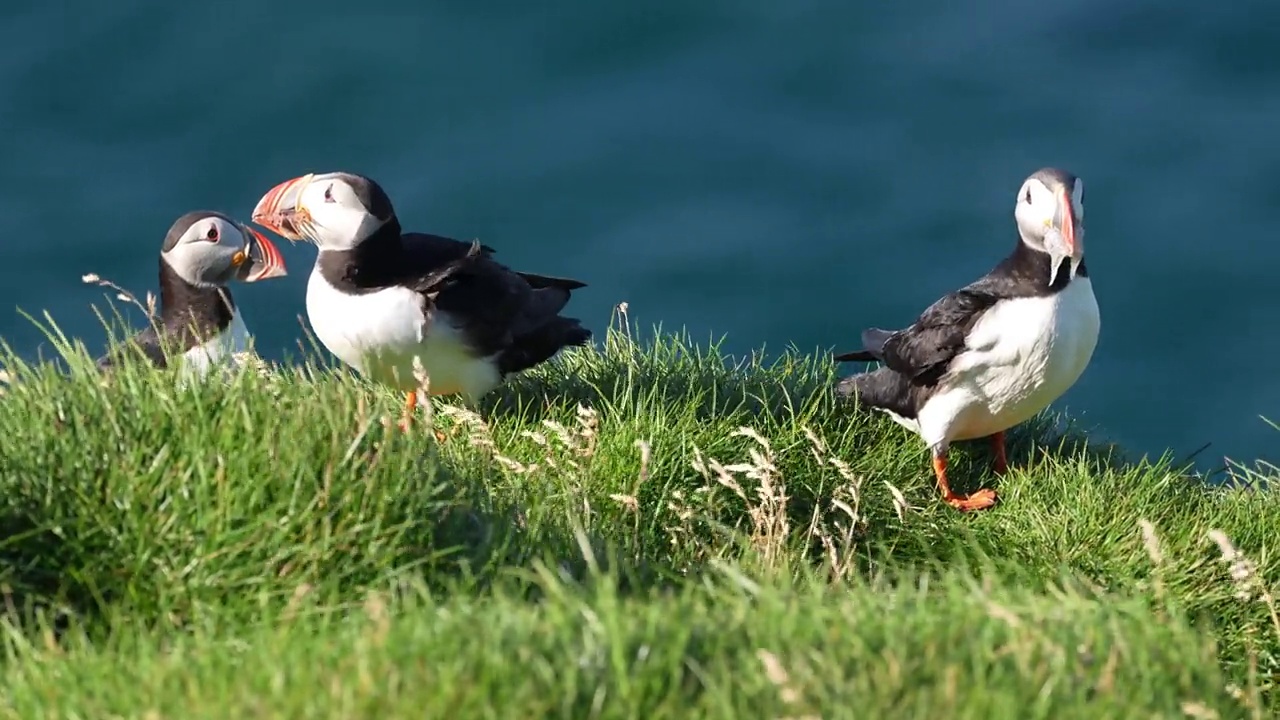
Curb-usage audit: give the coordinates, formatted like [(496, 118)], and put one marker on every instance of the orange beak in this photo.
[(281, 209), (262, 260), (1065, 219)]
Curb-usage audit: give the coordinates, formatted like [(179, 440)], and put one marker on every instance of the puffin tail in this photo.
[(542, 331), (873, 342), (539, 282), (856, 356), (538, 345), (881, 388)]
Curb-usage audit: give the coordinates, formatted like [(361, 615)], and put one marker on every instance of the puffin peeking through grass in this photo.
[(202, 253), (379, 297), (998, 351)]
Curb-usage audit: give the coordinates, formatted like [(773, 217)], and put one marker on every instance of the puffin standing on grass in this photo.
[(996, 352), (379, 298), (203, 252)]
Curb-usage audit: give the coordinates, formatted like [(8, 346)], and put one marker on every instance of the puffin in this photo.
[(199, 321), (999, 350), (382, 299)]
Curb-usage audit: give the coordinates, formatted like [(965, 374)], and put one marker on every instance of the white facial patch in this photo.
[(1041, 202), (1036, 212), (1033, 212), (205, 250), (339, 221)]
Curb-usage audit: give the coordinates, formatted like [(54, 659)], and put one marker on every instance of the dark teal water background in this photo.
[(780, 172)]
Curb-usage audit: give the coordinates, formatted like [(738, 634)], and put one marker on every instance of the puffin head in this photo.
[(208, 248), (334, 211), (1050, 217)]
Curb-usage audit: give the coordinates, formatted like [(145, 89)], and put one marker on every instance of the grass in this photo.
[(641, 529)]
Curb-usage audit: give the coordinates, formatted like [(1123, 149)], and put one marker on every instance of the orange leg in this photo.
[(997, 445), (410, 404), (980, 500)]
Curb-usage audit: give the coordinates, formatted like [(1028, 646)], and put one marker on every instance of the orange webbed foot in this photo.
[(980, 500)]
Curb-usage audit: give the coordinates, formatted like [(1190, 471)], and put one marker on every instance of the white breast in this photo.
[(217, 351), (378, 334), (1022, 355)]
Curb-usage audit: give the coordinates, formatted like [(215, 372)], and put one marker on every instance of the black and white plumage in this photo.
[(378, 297), (198, 319), (996, 352)]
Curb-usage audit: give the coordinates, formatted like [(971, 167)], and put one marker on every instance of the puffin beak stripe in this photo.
[(1067, 222), (267, 260), (278, 209)]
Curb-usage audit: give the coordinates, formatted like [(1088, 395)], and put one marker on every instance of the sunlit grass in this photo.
[(640, 529)]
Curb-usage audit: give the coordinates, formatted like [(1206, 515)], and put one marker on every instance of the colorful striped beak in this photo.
[(260, 259), (281, 210)]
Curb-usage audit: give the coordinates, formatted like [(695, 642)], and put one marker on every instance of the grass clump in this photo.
[(643, 529)]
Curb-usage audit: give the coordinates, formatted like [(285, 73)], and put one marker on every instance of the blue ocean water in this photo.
[(775, 172)]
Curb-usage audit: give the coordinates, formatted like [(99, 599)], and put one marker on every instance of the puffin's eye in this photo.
[(212, 235), (328, 194), (1027, 197)]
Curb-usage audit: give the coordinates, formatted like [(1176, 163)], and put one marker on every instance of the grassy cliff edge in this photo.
[(640, 529)]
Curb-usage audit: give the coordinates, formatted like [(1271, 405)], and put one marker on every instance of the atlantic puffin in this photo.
[(998, 351), (198, 319), (379, 297)]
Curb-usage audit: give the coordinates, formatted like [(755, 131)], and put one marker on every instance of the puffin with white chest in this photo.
[(998, 351), (378, 297), (198, 320)]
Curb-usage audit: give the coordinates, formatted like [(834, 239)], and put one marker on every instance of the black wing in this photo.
[(495, 305), (442, 255), (922, 351)]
